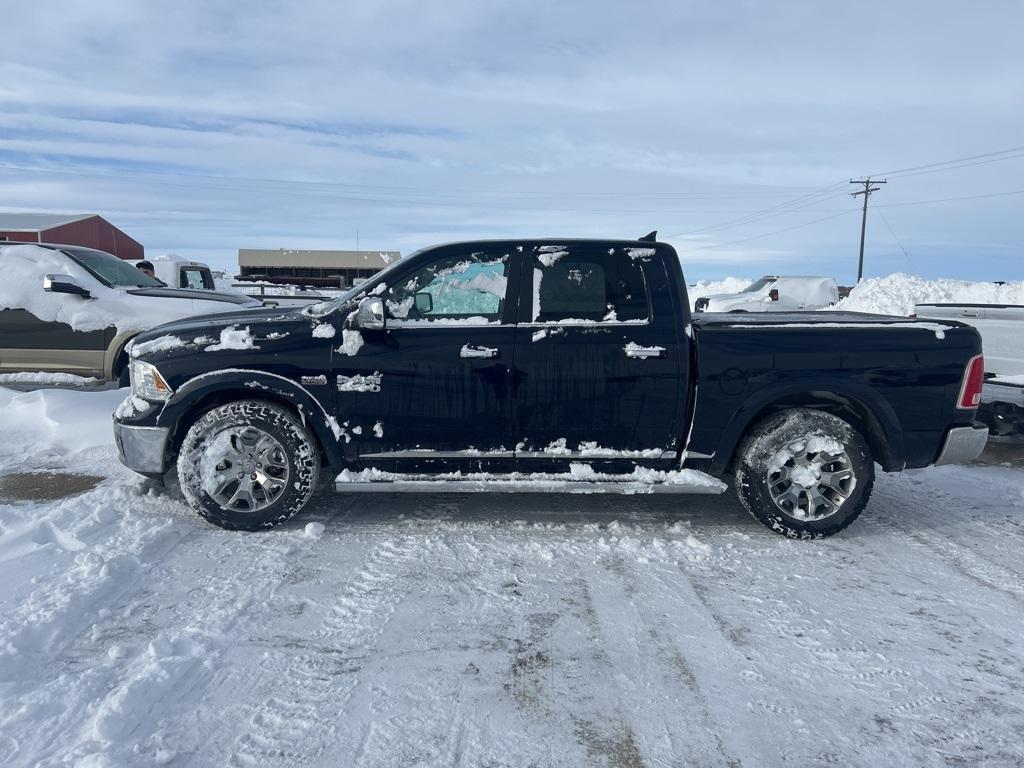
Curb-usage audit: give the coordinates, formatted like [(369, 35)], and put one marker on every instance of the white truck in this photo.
[(774, 293), (1002, 337), (177, 272)]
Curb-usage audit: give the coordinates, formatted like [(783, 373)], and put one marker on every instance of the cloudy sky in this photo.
[(733, 128)]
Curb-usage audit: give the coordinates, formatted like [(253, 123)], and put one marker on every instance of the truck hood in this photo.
[(243, 330), (197, 295)]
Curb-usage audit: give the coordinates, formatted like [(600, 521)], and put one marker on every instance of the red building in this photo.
[(86, 229)]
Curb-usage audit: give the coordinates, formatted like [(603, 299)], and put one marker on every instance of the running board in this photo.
[(681, 481)]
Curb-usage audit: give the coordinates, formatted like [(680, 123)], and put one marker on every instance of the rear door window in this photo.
[(574, 284)]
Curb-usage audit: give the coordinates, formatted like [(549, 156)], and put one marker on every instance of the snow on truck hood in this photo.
[(243, 329), (126, 309)]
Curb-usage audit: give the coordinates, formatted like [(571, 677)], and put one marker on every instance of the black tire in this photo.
[(772, 450), (216, 434)]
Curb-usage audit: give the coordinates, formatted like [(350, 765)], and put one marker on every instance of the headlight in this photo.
[(147, 382)]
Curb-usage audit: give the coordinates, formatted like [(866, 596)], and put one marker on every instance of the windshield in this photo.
[(757, 285), (111, 270), (326, 307)]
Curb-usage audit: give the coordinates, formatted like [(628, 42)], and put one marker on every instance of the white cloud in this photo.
[(202, 124)]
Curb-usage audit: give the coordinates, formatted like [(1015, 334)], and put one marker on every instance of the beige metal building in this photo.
[(325, 269)]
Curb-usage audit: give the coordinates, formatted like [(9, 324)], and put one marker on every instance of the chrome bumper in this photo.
[(143, 449), (963, 444), (996, 392)]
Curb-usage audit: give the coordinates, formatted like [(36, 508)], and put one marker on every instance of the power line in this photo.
[(950, 199), (868, 189), (954, 160), (789, 206), (893, 233), (768, 234)]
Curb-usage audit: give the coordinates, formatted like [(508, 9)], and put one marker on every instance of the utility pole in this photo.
[(868, 189)]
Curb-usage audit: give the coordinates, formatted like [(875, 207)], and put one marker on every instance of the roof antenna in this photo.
[(650, 237)]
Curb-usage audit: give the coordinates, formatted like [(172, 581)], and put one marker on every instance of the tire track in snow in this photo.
[(148, 659), (668, 603), (977, 563), (296, 723)]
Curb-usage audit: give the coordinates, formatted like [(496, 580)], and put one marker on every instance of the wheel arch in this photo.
[(202, 393), (117, 355), (863, 408)]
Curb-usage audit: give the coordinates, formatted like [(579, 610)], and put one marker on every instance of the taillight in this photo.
[(974, 378)]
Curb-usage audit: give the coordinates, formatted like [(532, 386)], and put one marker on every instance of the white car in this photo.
[(774, 294), (1002, 338)]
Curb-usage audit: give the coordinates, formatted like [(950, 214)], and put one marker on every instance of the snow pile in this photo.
[(351, 341), (714, 287), (233, 337), (323, 331), (46, 377), (159, 344), (897, 294), (55, 421)]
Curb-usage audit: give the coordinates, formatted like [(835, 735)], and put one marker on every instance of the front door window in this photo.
[(466, 289)]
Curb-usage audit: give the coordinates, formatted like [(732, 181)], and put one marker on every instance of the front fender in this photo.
[(247, 383), (867, 403)]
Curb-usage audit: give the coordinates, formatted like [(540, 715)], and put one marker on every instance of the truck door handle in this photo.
[(635, 350), (473, 351)]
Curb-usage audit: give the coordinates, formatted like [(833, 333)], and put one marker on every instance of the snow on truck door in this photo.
[(601, 372), (438, 378)]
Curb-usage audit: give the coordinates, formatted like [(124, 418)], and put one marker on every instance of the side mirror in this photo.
[(773, 294), (64, 284), (424, 302), (370, 314)]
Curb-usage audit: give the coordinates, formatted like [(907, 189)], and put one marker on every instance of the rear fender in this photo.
[(869, 411)]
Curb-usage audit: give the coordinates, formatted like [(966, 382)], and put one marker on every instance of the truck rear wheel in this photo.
[(248, 465), (804, 474)]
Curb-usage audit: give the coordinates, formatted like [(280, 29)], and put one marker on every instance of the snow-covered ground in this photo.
[(490, 630)]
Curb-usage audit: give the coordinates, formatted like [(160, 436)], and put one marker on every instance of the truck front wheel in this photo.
[(248, 465), (804, 474)]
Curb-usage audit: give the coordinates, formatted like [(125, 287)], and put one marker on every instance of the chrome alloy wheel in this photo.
[(250, 469), (811, 485)]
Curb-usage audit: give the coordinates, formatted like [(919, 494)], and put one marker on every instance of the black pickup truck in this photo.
[(546, 365)]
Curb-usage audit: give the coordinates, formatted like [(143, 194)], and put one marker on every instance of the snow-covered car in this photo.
[(73, 310), (1002, 336), (774, 294)]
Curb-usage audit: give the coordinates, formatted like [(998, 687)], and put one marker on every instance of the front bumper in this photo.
[(963, 444), (143, 449)]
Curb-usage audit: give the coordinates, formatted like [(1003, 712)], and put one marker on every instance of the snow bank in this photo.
[(55, 421), (46, 377), (897, 294)]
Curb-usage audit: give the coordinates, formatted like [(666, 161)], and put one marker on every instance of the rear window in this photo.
[(196, 277), (577, 284)]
